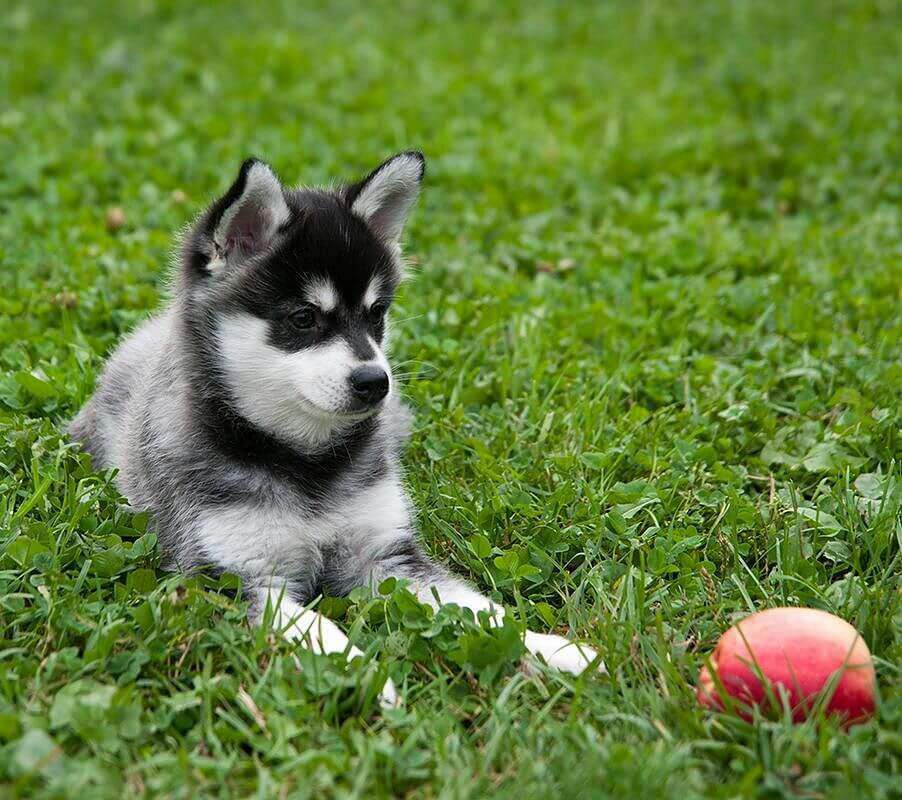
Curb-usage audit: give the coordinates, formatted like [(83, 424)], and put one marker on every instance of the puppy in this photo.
[(256, 417)]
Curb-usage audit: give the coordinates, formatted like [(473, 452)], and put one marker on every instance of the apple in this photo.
[(801, 652)]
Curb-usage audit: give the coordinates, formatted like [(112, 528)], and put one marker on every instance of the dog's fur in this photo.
[(236, 416)]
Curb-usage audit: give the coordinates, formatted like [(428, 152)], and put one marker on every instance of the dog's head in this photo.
[(290, 288)]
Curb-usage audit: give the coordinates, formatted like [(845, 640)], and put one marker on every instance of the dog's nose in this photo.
[(369, 384)]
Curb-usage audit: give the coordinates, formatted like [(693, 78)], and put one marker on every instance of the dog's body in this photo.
[(255, 418)]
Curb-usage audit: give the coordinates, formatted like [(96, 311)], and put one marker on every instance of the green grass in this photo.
[(652, 342)]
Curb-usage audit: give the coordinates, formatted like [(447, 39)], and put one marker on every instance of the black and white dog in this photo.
[(255, 416)]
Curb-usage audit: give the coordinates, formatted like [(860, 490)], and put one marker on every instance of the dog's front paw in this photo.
[(561, 653)]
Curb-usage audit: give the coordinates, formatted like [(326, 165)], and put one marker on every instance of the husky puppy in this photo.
[(256, 418)]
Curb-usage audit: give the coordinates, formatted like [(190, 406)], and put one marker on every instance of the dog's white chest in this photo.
[(268, 539)]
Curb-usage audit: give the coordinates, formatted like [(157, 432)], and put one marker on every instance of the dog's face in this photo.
[(294, 287)]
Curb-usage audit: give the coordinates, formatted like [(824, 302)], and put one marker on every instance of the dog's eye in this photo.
[(377, 312), (304, 318)]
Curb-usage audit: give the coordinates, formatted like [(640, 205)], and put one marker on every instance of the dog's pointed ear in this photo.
[(245, 220), (383, 199)]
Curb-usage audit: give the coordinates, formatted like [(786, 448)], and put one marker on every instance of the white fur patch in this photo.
[(561, 653), (269, 540), (459, 593), (261, 540), (381, 509), (322, 293), (299, 623), (298, 396), (386, 199), (372, 291)]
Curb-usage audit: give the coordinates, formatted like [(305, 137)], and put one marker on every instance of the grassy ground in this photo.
[(653, 347)]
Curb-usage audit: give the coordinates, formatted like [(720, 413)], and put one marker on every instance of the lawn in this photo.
[(652, 341)]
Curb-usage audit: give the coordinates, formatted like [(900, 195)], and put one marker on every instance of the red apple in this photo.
[(802, 650)]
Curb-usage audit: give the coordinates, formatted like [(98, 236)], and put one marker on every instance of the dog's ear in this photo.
[(383, 199), (245, 220)]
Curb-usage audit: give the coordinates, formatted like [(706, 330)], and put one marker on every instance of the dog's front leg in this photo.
[(404, 558), (301, 624)]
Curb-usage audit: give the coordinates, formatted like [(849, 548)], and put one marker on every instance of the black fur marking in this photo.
[(314, 475), (353, 326), (346, 566), (356, 337), (405, 558), (325, 242), (341, 571)]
